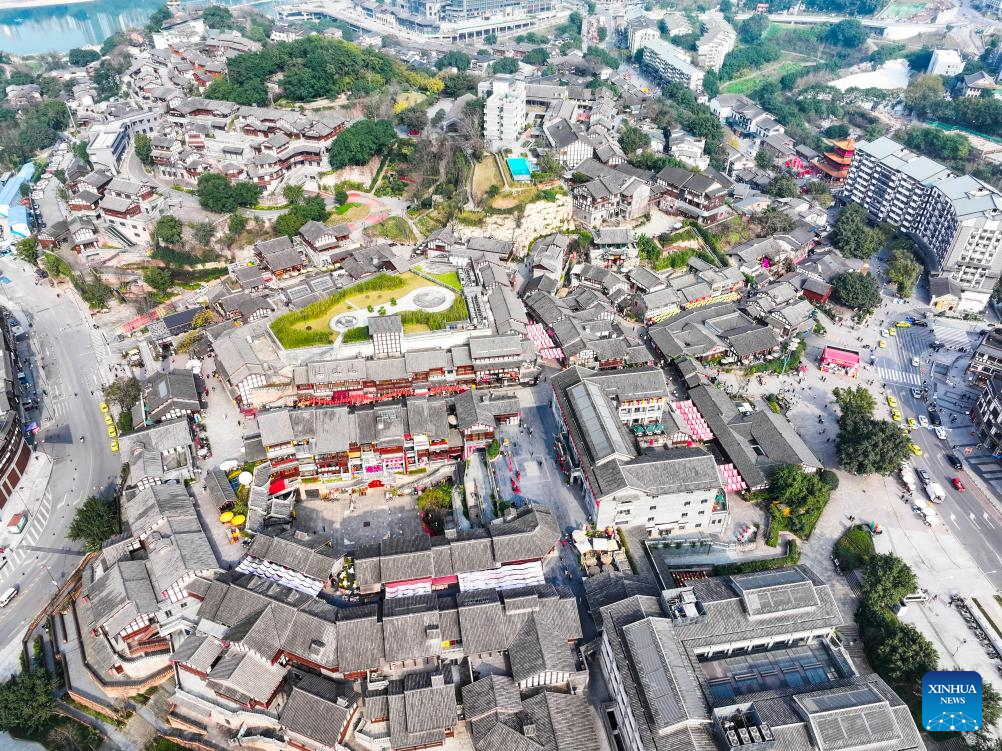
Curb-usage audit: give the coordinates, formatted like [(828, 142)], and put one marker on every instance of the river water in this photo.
[(58, 28)]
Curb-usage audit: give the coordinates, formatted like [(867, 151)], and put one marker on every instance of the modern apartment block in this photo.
[(669, 64), (987, 416), (716, 42), (956, 220), (504, 111)]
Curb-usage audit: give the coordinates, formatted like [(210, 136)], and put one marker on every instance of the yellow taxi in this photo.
[(893, 332), (892, 402), (114, 446), (902, 324), (915, 449), (104, 407), (883, 344), (904, 430), (911, 423), (112, 433), (895, 415), (108, 420)]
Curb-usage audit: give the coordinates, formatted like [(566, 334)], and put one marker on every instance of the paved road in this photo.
[(69, 363), (974, 517)]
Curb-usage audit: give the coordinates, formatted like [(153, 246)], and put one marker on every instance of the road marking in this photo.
[(988, 521), (953, 519), (974, 521)]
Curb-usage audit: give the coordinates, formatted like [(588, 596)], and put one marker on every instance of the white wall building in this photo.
[(718, 40), (945, 63), (668, 63), (504, 111), (956, 220)]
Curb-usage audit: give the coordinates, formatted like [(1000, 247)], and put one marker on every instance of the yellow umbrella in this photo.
[(237, 520), (225, 516)]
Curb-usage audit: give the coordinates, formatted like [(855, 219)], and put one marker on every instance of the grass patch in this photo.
[(449, 279), (428, 224), (854, 548), (485, 174), (434, 321), (394, 228), (351, 212), (357, 334), (310, 326)]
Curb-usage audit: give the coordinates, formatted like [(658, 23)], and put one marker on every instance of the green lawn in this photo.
[(394, 228), (752, 82)]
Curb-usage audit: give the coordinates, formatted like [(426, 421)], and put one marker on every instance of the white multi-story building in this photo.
[(945, 63), (956, 220), (504, 111), (716, 42), (668, 64)]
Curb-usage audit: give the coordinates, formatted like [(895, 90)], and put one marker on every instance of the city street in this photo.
[(69, 364)]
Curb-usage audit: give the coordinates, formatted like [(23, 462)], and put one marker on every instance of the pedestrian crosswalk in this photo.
[(952, 337), (893, 375)]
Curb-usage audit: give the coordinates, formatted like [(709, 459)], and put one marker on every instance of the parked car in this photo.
[(954, 461)]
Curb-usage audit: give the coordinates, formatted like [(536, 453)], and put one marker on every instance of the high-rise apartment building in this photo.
[(504, 111), (956, 220), (716, 42), (668, 63)]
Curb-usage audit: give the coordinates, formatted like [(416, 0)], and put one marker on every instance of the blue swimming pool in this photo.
[(521, 170)]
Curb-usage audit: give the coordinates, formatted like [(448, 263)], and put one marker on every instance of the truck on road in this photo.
[(935, 491)]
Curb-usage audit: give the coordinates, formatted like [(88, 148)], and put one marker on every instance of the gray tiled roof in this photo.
[(318, 709)]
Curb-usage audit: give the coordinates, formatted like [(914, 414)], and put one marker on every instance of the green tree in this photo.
[(632, 139), (866, 446), (94, 522), (413, 118), (849, 33), (648, 249), (27, 250), (903, 269), (169, 229), (124, 392), (80, 57), (905, 655), (340, 196), (854, 402), (293, 193), (157, 18), (56, 266), (505, 65), (751, 29), (289, 224), (237, 224), (886, 580), (991, 705), (216, 193), (838, 131), (923, 94), (218, 17), (491, 39), (764, 159), (27, 701), (456, 85), (537, 56), (203, 232), (360, 143), (453, 59), (158, 278), (782, 186), (124, 422), (857, 291), (144, 148), (711, 83), (113, 41), (851, 235), (775, 222)]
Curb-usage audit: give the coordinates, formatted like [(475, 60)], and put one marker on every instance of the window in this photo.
[(650, 519), (687, 503), (684, 515)]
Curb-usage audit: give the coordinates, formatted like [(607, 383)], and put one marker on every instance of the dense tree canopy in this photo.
[(865, 445), (453, 59), (310, 209), (851, 235), (95, 521), (218, 17), (935, 143), (751, 29), (168, 229), (360, 142), (857, 291), (903, 269), (312, 68), (27, 701), (537, 56), (783, 186), (848, 33), (505, 65), (144, 148), (158, 279), (80, 57), (856, 401), (632, 139), (216, 193)]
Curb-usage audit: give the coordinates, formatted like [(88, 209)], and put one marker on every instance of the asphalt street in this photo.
[(975, 518), (70, 362)]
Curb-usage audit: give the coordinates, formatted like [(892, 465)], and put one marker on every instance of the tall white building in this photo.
[(945, 63), (957, 220), (504, 111), (716, 42), (667, 63)]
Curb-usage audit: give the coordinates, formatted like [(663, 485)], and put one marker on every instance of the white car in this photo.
[(915, 362), (941, 433), (923, 421), (883, 334)]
